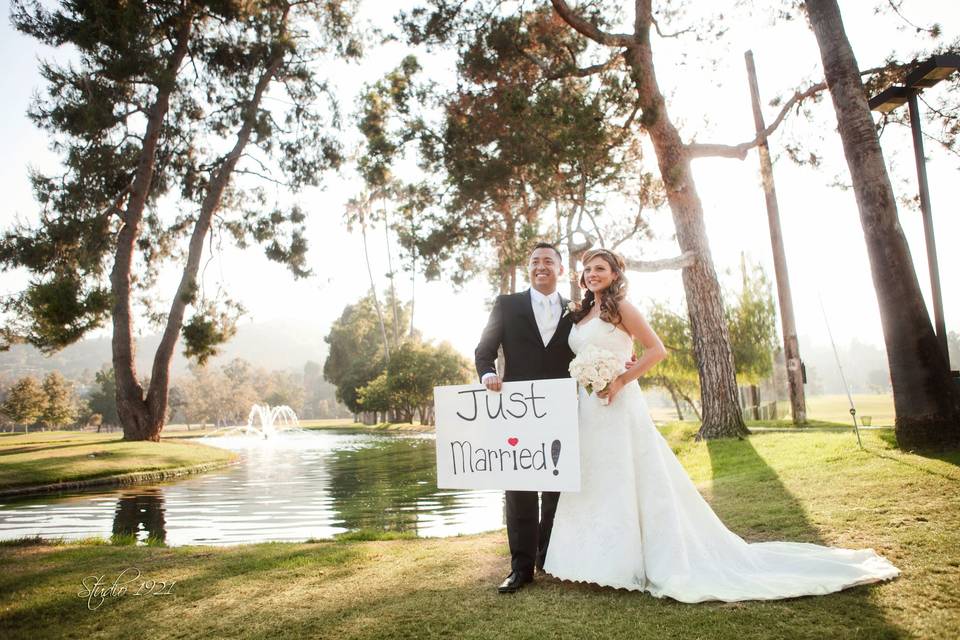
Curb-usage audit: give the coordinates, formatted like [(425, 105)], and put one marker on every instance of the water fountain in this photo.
[(263, 423), (272, 420)]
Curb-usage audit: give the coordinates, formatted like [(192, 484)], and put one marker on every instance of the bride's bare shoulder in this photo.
[(627, 314), (634, 323), (632, 320), (628, 307)]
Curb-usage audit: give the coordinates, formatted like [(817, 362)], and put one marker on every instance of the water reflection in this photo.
[(387, 485), (136, 509), (297, 486)]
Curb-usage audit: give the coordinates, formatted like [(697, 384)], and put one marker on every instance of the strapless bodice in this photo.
[(602, 334)]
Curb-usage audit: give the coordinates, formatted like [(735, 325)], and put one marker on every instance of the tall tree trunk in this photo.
[(508, 250), (718, 386), (926, 399), (373, 285), (393, 290), (503, 260), (413, 285), (132, 408), (186, 291), (721, 411), (690, 403), (574, 252), (676, 402)]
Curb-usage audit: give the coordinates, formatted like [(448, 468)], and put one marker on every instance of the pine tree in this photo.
[(103, 397), (25, 402), (60, 405), (166, 99)]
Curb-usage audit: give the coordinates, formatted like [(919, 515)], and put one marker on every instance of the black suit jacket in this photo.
[(513, 325)]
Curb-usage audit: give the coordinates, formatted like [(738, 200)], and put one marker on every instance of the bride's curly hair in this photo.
[(612, 295)]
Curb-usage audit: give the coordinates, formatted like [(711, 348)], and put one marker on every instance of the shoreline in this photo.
[(117, 480), (160, 475), (393, 427)]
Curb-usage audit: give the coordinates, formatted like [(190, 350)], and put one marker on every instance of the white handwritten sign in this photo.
[(525, 438)]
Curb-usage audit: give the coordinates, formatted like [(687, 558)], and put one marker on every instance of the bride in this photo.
[(638, 522)]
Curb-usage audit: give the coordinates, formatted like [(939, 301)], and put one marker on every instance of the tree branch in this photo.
[(571, 70), (591, 30), (583, 72), (637, 225), (656, 25), (739, 151), (257, 174), (696, 150), (895, 6), (684, 260)]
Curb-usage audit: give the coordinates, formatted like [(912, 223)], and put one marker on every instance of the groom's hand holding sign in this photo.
[(492, 382)]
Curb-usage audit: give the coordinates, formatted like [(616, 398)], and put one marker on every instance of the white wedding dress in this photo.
[(639, 523)]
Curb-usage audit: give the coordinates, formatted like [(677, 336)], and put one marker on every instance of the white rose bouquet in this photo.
[(595, 368)]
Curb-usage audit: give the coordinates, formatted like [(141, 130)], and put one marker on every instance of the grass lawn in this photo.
[(181, 430), (836, 408), (48, 457), (813, 486), (821, 410), (350, 424)]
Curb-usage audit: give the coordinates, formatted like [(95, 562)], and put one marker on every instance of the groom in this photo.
[(532, 327)]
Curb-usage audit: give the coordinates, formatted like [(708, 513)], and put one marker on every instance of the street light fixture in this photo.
[(889, 99), (924, 75)]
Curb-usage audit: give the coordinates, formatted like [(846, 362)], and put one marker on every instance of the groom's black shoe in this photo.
[(514, 583)]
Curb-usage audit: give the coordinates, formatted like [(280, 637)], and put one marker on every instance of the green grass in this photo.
[(836, 408), (64, 456), (349, 424), (812, 486), (180, 430), (787, 423), (329, 423), (831, 410)]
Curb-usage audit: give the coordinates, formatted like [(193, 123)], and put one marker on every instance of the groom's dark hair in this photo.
[(547, 245)]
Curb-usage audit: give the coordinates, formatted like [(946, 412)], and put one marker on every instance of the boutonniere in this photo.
[(571, 308)]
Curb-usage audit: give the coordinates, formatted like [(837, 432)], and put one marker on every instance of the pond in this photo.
[(296, 486)]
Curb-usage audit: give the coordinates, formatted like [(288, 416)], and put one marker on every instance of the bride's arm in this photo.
[(653, 350)]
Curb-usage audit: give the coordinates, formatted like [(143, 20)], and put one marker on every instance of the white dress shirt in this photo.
[(546, 309)]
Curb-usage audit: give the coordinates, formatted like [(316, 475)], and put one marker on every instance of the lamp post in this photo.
[(925, 75)]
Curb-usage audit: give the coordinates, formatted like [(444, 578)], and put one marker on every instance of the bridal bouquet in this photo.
[(595, 368)]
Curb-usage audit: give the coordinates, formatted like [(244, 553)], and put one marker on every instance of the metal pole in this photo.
[(939, 322), (791, 347)]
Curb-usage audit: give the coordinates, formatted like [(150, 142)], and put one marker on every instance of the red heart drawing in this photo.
[(513, 441)]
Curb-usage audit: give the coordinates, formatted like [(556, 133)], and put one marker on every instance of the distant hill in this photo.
[(280, 344)]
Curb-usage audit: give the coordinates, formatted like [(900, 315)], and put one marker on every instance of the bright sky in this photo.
[(824, 240)]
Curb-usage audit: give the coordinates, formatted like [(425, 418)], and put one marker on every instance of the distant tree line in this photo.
[(392, 381), (223, 396), (209, 396), (30, 403)]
